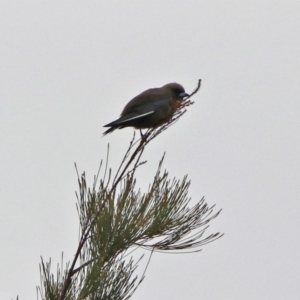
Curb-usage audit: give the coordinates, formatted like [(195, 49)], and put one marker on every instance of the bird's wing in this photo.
[(142, 109), (145, 104), (128, 118)]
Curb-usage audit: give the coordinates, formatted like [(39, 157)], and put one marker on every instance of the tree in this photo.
[(116, 218)]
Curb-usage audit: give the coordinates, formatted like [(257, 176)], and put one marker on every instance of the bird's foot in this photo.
[(143, 136)]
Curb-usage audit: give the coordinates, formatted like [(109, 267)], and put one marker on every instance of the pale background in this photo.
[(69, 67)]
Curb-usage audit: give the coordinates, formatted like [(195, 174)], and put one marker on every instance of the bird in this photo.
[(150, 109)]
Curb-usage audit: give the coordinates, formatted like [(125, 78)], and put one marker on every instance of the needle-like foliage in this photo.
[(116, 218)]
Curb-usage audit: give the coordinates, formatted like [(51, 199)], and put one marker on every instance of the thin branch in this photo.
[(131, 144), (70, 273), (137, 150)]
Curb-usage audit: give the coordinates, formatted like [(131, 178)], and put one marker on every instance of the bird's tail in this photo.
[(111, 129)]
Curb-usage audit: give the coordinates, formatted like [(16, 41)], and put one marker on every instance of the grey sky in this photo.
[(69, 67)]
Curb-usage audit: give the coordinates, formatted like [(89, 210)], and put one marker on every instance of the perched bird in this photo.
[(150, 109)]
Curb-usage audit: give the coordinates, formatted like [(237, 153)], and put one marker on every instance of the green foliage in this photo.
[(116, 218)]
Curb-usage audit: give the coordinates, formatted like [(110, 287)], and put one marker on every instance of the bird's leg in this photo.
[(142, 135)]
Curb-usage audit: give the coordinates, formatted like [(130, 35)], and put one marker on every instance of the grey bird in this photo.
[(150, 109)]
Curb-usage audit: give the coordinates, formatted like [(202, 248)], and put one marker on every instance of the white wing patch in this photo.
[(137, 117)]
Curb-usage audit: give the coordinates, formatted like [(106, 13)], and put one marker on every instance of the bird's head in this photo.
[(176, 90)]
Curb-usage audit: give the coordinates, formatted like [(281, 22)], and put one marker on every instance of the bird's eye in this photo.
[(179, 91)]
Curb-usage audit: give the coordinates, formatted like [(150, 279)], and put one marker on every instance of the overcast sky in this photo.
[(69, 67)]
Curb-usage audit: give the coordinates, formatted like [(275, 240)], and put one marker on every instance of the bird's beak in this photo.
[(184, 94)]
